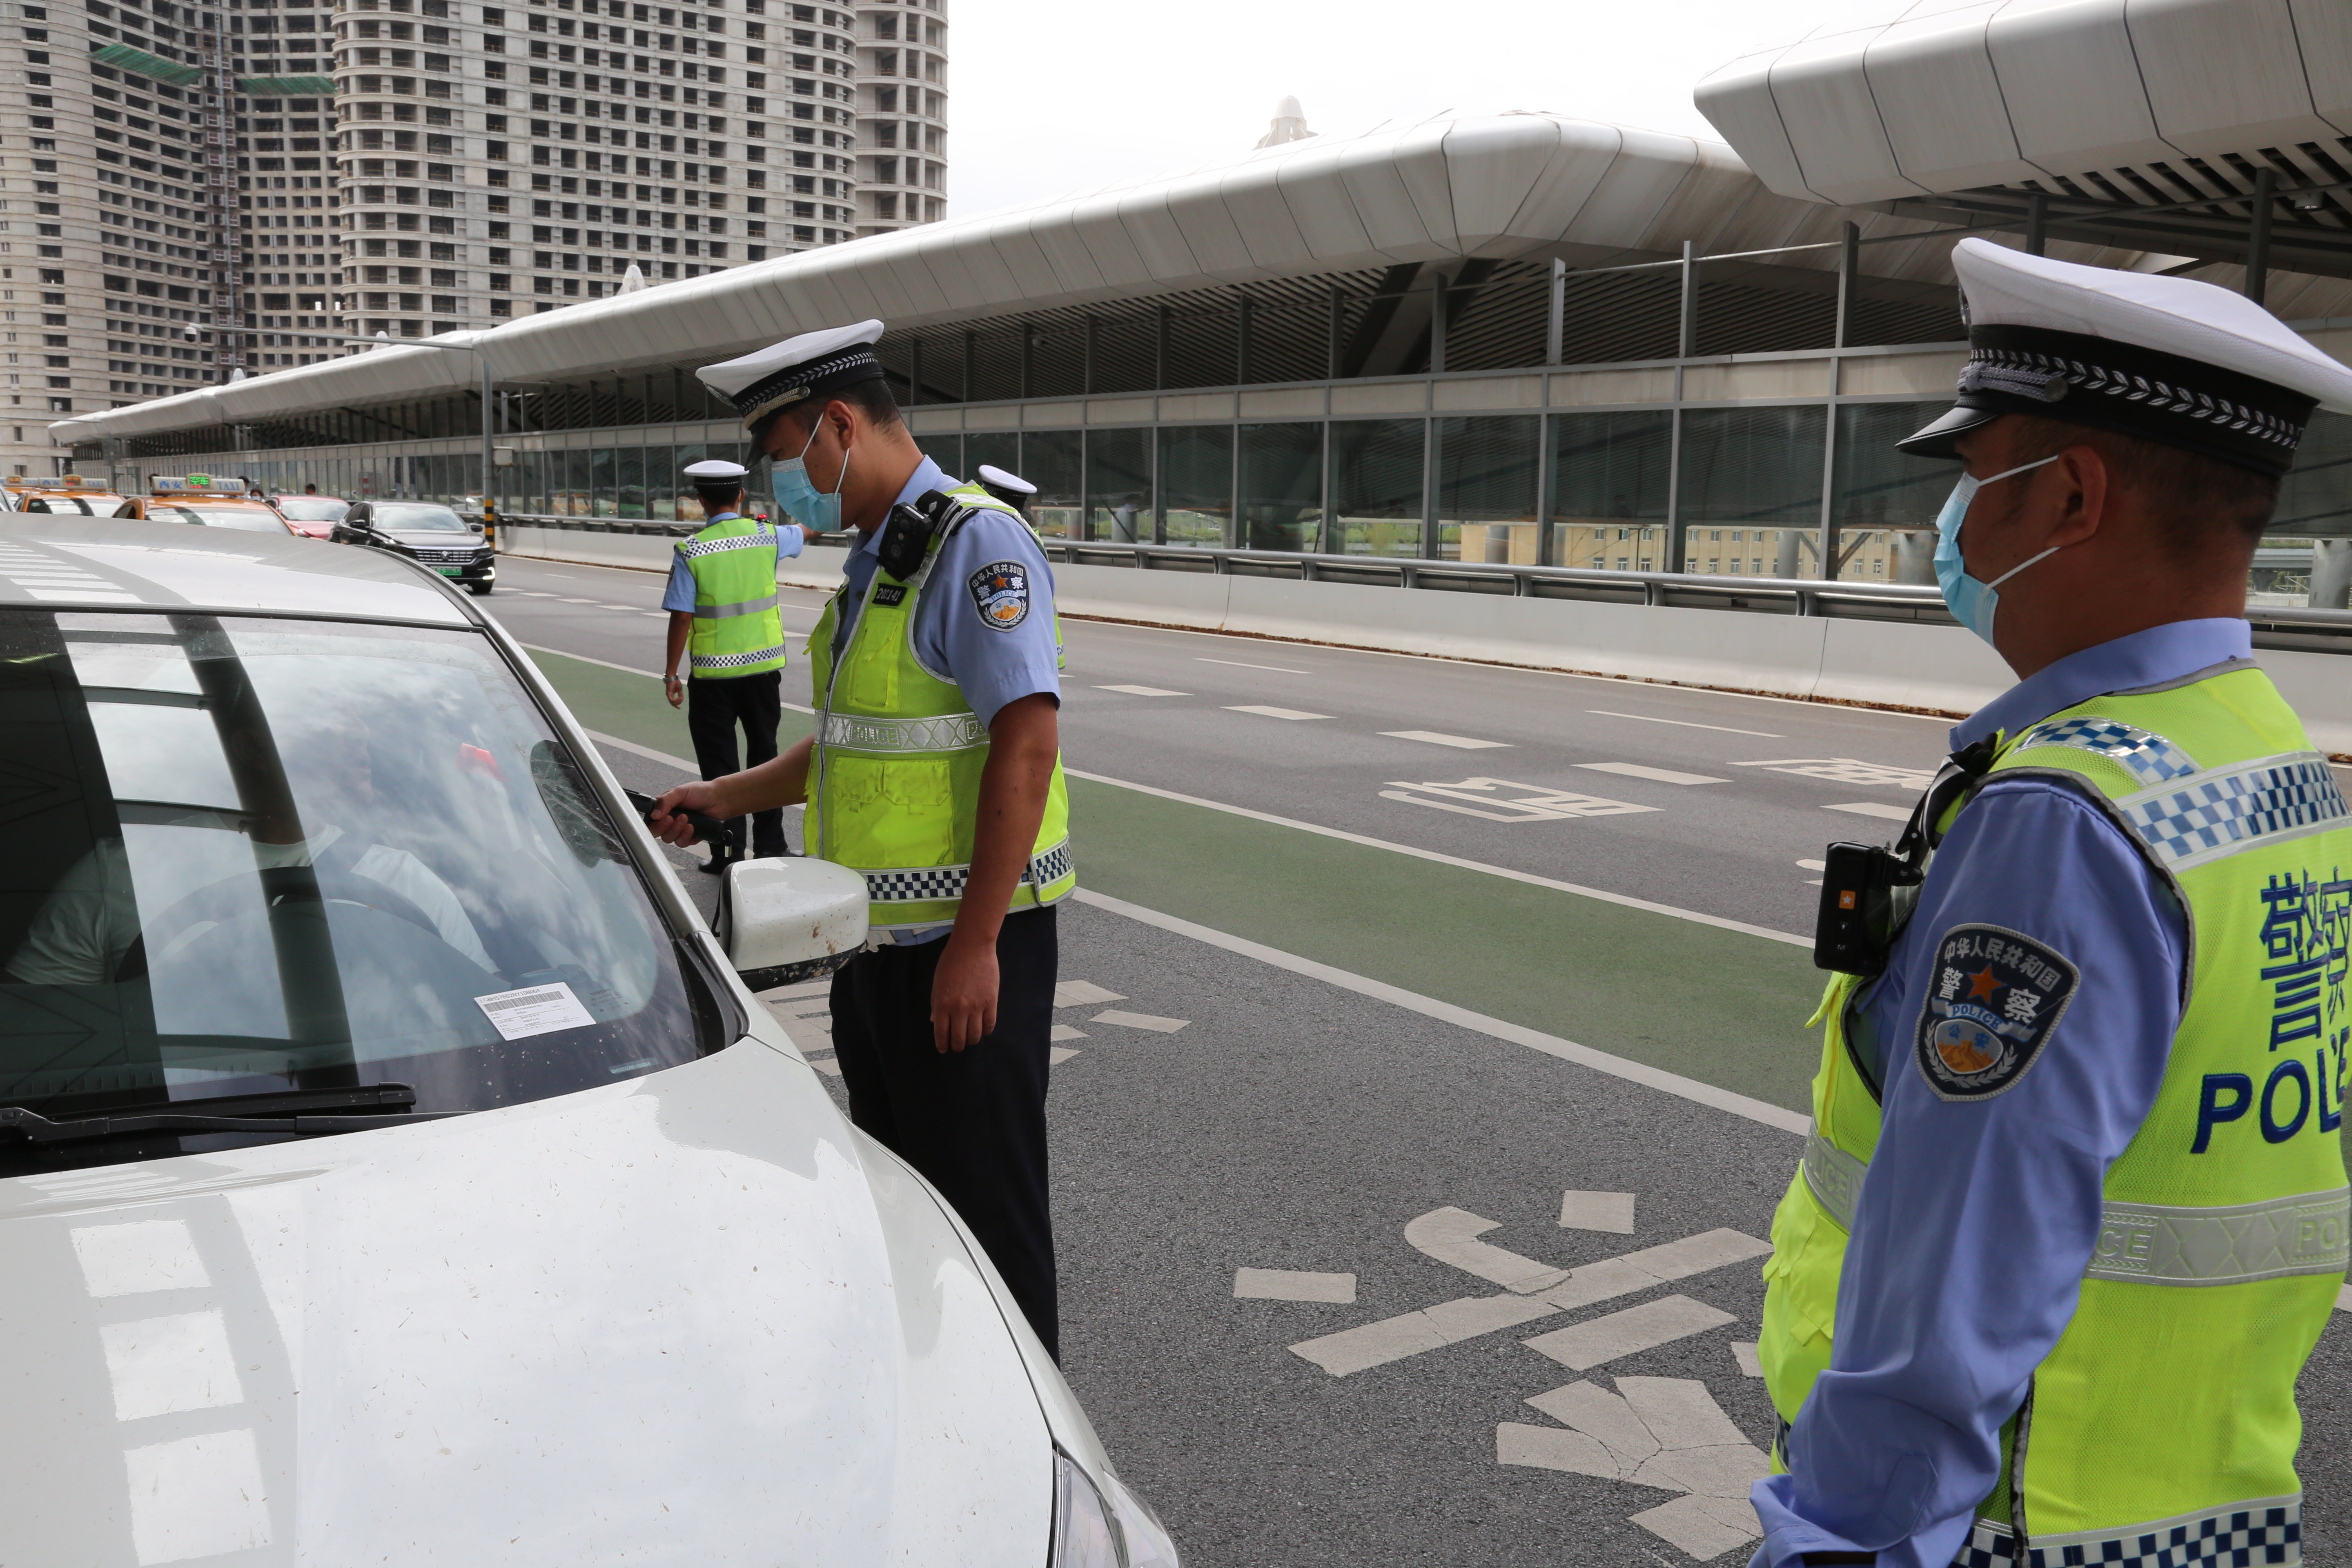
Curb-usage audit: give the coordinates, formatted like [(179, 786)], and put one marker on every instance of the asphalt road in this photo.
[(1299, 1121)]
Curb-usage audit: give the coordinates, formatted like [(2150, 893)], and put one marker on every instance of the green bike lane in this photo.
[(1722, 1006)]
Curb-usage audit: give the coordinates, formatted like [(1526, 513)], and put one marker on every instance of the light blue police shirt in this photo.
[(1976, 1219), (678, 597), (991, 663)]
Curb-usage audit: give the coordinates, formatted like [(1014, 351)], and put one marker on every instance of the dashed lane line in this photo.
[(1263, 712), (1237, 664), (1649, 1077), (1293, 1285), (1657, 775), (1687, 723), (1530, 878), (1144, 690), (1460, 742)]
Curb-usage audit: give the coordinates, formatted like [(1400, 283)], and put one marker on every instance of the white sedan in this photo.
[(394, 1169)]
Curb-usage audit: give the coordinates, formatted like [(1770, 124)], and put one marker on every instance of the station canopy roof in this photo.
[(2146, 123), (1446, 190)]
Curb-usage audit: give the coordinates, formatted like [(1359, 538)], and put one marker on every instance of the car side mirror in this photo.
[(785, 920)]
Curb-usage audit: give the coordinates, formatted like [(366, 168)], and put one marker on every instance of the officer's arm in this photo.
[(1023, 741), (1981, 1206), (781, 781), (680, 624)]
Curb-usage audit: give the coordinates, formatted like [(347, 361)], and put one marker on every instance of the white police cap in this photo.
[(783, 374), (995, 479), (715, 470), (2171, 360)]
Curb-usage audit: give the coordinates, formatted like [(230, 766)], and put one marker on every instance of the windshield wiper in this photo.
[(301, 1112)]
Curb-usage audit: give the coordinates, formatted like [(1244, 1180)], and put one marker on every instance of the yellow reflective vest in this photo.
[(737, 628), (894, 776), (2166, 1412)]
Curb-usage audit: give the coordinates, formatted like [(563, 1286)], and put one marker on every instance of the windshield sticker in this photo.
[(533, 1010)]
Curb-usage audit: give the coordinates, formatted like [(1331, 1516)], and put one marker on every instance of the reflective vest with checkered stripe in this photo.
[(896, 766), (2166, 1408), (738, 629)]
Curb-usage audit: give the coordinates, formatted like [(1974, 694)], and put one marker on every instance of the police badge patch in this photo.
[(999, 591), (1993, 999)]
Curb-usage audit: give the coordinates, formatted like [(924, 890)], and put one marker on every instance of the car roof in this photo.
[(116, 564)]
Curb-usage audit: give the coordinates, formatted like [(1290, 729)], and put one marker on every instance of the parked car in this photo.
[(426, 532), (394, 1167), (71, 496), (312, 517)]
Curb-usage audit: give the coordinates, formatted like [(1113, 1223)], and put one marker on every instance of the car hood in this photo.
[(688, 1319), (433, 539)]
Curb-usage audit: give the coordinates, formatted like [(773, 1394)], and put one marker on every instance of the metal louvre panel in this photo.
[(2161, 1244), (950, 732)]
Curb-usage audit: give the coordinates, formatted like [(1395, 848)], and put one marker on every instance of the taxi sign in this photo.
[(165, 484)]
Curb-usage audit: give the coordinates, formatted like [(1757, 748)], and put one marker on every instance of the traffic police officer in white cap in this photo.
[(2075, 1201), (724, 620), (935, 771), (1011, 488)]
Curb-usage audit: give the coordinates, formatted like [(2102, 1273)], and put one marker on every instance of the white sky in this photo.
[(1052, 96)]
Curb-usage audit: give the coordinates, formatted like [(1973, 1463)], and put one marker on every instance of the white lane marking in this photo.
[(1744, 1351), (2344, 1299), (1061, 1032), (1140, 1021), (1685, 723), (1663, 1432), (1702, 1527), (1662, 776), (1144, 690), (1533, 803), (654, 615), (649, 675), (1813, 865), (1237, 664), (647, 752), (1377, 1343), (1451, 1237), (1293, 1285), (1609, 1212), (1461, 742), (586, 601), (1265, 712), (1082, 993), (1056, 1054), (828, 1066), (1850, 770), (1874, 808), (1589, 1344), (1507, 873)]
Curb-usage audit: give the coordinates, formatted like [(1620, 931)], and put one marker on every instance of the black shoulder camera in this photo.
[(1867, 889)]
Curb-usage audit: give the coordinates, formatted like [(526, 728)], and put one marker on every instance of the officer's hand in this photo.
[(963, 993), (674, 689), (668, 824)]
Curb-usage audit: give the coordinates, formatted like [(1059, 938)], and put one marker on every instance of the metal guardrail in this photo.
[(2275, 627)]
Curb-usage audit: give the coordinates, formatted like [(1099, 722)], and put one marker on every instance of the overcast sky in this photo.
[(1059, 95)]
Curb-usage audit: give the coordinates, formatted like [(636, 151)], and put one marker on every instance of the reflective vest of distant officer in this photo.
[(2072, 1214)]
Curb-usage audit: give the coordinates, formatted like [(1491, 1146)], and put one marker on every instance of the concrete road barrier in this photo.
[(1893, 664)]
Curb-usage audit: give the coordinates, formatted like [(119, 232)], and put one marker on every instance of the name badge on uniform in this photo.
[(890, 593), (999, 591), (1993, 999)]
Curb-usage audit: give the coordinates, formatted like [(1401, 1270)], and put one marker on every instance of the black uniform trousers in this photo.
[(972, 1122), (713, 709)]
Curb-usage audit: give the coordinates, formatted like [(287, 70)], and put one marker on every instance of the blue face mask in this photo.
[(798, 494), (1974, 603)]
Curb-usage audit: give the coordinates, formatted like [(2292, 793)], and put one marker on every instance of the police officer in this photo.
[(936, 771), (2075, 1201), (1011, 488), (723, 617)]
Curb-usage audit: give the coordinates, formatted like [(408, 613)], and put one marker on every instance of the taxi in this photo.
[(71, 496), (206, 502)]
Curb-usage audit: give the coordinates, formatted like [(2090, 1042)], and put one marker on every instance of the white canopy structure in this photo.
[(1494, 187)]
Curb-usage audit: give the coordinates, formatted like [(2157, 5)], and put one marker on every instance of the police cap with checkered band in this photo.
[(2170, 359), (764, 384)]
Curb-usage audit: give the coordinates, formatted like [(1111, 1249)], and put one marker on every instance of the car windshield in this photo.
[(313, 509), (405, 517), (81, 506), (252, 519), (248, 856)]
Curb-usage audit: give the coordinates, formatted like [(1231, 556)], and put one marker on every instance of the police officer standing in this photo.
[(723, 617), (2075, 1201), (935, 771), (1011, 488)]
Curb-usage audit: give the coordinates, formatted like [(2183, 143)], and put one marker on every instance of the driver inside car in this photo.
[(88, 931)]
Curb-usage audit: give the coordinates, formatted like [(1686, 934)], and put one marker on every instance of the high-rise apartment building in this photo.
[(902, 114), (191, 192)]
